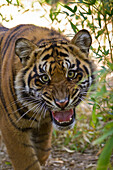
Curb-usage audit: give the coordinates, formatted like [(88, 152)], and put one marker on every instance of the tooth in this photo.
[(64, 122)]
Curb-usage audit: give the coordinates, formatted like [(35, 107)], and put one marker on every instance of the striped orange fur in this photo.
[(43, 77)]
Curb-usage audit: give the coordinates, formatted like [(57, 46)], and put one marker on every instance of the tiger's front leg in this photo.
[(42, 140), (20, 148)]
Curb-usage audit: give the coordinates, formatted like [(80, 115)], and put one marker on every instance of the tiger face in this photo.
[(55, 77)]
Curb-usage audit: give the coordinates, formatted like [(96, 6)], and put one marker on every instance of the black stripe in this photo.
[(46, 49), (41, 69), (39, 43), (14, 99), (8, 40), (44, 150), (44, 134), (30, 166), (28, 145), (86, 69), (3, 28), (52, 62), (75, 98), (87, 81), (87, 61), (68, 62), (44, 63), (65, 49), (49, 103), (25, 71), (46, 57), (3, 101), (63, 54), (57, 52), (18, 128), (72, 66), (78, 63), (74, 92), (77, 102), (29, 78), (50, 68), (38, 141), (45, 93), (48, 97), (1, 39), (35, 69), (71, 48)]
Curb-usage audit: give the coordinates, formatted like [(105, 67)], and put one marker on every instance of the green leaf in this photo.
[(104, 136), (109, 125), (75, 29), (99, 19), (94, 119), (89, 11), (18, 2), (103, 89), (93, 2), (111, 12), (100, 33), (8, 163), (69, 8), (104, 158), (90, 2), (9, 1), (48, 1), (83, 15), (110, 65), (66, 13), (75, 8), (51, 15), (106, 52)]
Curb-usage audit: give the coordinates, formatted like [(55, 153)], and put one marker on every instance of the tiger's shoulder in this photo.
[(34, 33), (3, 30)]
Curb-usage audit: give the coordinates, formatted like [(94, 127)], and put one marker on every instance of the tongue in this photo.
[(63, 116)]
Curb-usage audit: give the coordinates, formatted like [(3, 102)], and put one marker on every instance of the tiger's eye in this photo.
[(71, 74), (45, 78)]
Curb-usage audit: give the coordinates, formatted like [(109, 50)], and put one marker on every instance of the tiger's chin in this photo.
[(63, 120)]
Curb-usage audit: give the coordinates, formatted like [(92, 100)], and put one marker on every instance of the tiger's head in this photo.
[(55, 77)]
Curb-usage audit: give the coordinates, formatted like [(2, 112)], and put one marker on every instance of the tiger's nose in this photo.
[(62, 103)]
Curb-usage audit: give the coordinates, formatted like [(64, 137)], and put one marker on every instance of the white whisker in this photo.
[(25, 105), (35, 114), (26, 113), (44, 114), (35, 111), (16, 101)]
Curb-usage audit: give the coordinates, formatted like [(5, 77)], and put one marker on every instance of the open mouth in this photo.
[(63, 118)]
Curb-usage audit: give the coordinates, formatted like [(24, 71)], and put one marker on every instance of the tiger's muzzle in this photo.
[(63, 119)]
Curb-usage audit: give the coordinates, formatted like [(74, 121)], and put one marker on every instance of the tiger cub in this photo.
[(43, 77)]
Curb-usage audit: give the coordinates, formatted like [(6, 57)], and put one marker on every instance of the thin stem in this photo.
[(110, 46), (97, 10)]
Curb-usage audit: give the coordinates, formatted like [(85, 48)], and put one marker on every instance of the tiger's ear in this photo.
[(82, 40), (23, 49)]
